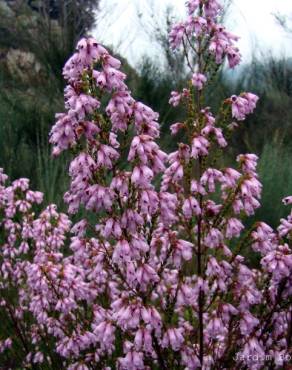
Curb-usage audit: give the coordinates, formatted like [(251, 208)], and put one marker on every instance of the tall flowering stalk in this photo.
[(152, 276)]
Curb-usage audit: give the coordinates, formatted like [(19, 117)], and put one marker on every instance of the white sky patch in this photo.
[(127, 25), (254, 22)]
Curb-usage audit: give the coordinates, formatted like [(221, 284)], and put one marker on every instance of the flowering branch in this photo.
[(152, 276)]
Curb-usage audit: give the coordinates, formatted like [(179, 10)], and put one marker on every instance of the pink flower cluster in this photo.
[(202, 28), (243, 105), (153, 276)]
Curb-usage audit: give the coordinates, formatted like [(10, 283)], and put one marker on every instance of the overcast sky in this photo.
[(127, 25)]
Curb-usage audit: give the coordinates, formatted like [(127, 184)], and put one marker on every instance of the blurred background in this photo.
[(37, 37)]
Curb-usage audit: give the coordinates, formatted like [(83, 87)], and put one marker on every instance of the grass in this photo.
[(275, 171)]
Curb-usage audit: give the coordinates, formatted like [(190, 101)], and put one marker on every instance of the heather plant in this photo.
[(153, 275)]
